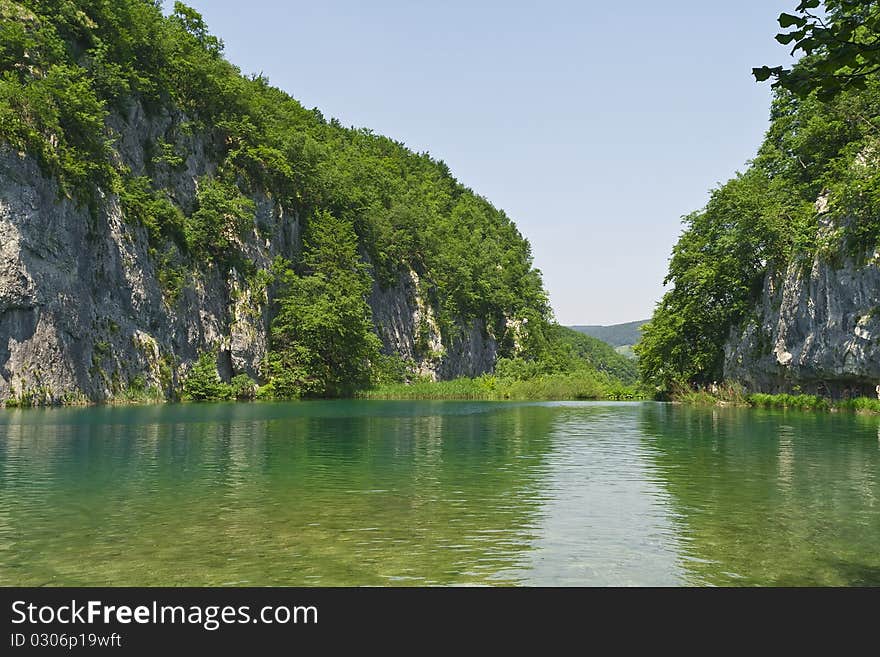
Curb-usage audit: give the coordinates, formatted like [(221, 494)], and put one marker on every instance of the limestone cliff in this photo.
[(816, 330), (157, 204), (407, 324), (83, 315)]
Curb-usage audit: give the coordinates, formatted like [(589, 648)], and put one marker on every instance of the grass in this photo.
[(734, 396), (863, 405), (798, 402), (560, 387), (488, 387), (724, 395), (860, 405), (137, 395)]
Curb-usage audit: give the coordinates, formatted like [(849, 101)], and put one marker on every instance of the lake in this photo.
[(437, 493)]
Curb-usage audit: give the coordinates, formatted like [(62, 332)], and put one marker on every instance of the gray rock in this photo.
[(816, 330), (82, 313), (407, 325)]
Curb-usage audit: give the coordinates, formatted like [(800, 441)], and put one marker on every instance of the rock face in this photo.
[(82, 311), (816, 330), (407, 325)]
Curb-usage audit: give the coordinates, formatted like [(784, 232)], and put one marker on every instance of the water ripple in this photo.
[(433, 493)]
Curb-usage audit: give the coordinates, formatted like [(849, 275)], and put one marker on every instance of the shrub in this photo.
[(203, 382), (243, 387)]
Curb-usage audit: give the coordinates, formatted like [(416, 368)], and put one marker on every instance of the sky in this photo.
[(594, 126)]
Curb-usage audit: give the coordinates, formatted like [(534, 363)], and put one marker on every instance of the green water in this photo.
[(400, 493)]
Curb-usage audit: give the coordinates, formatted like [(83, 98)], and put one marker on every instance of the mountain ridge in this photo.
[(617, 335)]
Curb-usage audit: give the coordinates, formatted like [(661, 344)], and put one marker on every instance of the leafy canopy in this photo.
[(812, 190), (322, 337), (841, 43)]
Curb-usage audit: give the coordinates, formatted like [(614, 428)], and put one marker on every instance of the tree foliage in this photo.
[(323, 343), (73, 71), (841, 43), (204, 383), (817, 166), (222, 216)]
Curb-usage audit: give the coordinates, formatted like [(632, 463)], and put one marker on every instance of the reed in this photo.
[(574, 386), (733, 396)]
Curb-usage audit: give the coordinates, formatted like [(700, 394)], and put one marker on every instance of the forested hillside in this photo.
[(774, 281), (571, 366), (617, 335), (341, 256)]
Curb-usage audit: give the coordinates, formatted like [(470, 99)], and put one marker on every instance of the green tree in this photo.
[(841, 43), (322, 340), (203, 382), (222, 216), (717, 269), (194, 24)]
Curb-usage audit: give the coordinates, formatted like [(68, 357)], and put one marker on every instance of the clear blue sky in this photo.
[(594, 125)]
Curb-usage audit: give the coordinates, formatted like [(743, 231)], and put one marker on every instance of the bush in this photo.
[(222, 216), (243, 387), (203, 382), (391, 368), (322, 338)]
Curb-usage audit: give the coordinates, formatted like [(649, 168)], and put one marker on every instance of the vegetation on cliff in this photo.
[(573, 366), (813, 188), (369, 208)]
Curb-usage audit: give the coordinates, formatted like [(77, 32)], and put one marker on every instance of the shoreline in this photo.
[(358, 397), (574, 386), (729, 397), (519, 391)]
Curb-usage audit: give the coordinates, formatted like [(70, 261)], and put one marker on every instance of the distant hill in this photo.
[(617, 335), (597, 353)]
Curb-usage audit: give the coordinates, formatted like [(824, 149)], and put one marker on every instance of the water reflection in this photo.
[(353, 493), (771, 498), (605, 520), (324, 493)]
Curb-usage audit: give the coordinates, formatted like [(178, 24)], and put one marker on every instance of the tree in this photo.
[(841, 45), (223, 215), (322, 338), (717, 269), (203, 382), (192, 22)]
